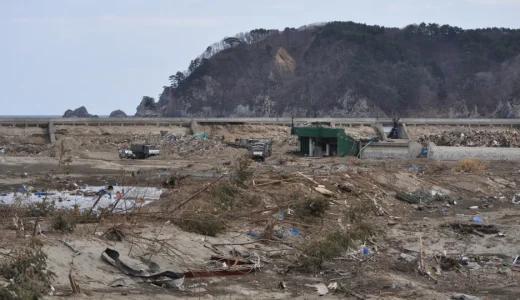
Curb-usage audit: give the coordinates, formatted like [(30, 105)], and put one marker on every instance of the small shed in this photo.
[(318, 141)]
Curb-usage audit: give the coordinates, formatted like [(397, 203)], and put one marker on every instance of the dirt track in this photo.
[(481, 260)]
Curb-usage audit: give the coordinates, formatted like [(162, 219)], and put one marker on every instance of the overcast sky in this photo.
[(107, 54)]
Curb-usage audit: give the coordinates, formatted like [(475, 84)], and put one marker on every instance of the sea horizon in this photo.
[(41, 116)]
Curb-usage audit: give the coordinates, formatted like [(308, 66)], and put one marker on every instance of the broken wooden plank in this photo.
[(307, 177), (321, 189)]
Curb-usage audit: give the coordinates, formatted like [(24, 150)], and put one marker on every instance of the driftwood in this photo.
[(73, 284)]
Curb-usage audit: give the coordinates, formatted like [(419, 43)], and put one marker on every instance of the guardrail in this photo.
[(185, 122)]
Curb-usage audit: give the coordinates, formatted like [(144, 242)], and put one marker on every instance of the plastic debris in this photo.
[(333, 286), (516, 199), (407, 257), (320, 287), (516, 264), (254, 234), (477, 219)]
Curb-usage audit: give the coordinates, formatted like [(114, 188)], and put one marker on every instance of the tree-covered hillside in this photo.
[(345, 69)]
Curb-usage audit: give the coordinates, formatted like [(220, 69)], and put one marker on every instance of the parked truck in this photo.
[(260, 150), (143, 151)]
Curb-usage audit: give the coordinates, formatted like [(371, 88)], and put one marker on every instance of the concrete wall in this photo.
[(385, 152), (407, 150), (414, 149), (483, 153)]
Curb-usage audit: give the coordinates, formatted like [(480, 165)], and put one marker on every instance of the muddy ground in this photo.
[(460, 255)]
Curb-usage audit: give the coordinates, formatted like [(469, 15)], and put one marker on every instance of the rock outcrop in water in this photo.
[(117, 114), (147, 108), (80, 112)]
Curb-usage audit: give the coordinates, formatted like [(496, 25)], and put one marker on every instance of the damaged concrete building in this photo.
[(318, 141)]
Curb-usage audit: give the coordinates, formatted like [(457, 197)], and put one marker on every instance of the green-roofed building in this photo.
[(319, 141)]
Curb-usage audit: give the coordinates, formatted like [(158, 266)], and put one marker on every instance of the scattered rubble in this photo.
[(473, 138), (188, 146), (295, 227)]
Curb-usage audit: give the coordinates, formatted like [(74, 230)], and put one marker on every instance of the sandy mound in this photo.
[(67, 147)]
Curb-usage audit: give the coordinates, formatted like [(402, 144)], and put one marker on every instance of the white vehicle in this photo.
[(125, 153)]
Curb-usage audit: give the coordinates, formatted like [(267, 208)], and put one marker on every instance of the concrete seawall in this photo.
[(483, 153), (186, 122)]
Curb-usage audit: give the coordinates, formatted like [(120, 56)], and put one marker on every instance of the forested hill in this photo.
[(345, 69)]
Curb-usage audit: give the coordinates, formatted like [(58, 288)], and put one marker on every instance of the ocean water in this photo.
[(38, 116)]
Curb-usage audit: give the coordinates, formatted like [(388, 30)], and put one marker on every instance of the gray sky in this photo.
[(107, 54)]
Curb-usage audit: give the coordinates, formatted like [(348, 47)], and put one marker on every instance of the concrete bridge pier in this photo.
[(194, 126), (50, 128)]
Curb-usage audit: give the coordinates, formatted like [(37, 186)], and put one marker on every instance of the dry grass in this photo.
[(203, 224), (337, 242), (64, 222), (470, 165)]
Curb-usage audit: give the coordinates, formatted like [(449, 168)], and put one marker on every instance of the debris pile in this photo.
[(185, 146), (291, 140), (473, 138), (23, 149)]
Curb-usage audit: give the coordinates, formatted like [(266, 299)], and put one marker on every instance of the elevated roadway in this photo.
[(186, 122)]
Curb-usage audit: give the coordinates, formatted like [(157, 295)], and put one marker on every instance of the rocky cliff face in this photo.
[(344, 69), (80, 112), (117, 114)]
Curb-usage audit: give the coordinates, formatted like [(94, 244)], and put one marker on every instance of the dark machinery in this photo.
[(394, 133)]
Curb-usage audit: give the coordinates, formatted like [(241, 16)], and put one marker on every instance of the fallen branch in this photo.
[(421, 260), (271, 182), (63, 242), (197, 193), (477, 233), (253, 242), (377, 204)]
